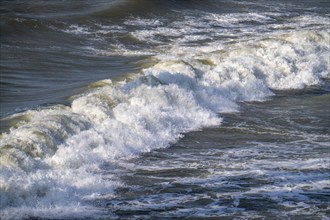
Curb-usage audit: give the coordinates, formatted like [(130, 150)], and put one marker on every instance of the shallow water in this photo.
[(164, 109)]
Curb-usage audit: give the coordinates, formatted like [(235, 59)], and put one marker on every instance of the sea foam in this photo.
[(60, 157)]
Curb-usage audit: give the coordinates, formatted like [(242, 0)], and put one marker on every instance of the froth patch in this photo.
[(57, 154), (38, 138)]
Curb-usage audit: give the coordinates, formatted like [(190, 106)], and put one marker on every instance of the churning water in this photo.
[(215, 109)]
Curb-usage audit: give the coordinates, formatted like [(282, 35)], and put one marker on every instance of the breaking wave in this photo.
[(57, 158)]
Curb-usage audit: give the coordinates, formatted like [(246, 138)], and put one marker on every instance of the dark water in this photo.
[(268, 161), (41, 64), (48, 47), (157, 109)]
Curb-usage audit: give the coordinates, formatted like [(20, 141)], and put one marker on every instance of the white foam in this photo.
[(55, 158), (147, 115), (234, 19), (140, 22), (76, 29), (59, 193)]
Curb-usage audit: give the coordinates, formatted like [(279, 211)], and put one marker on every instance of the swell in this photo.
[(115, 9), (213, 81), (149, 8)]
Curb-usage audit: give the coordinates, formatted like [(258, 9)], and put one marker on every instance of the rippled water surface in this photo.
[(269, 161), (154, 109)]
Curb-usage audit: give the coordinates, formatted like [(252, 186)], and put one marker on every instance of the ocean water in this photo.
[(154, 109)]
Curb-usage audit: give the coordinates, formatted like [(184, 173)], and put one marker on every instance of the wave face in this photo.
[(195, 64)]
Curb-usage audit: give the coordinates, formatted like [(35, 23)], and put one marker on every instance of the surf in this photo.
[(189, 71), (57, 153)]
